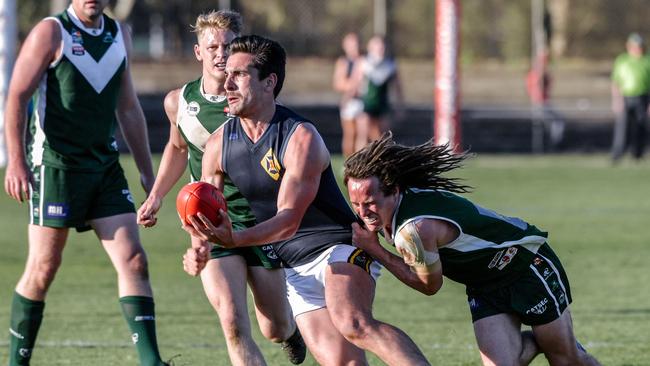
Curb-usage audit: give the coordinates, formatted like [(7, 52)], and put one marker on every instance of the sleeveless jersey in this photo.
[(73, 121), (257, 170), (378, 77), (199, 115), (491, 247)]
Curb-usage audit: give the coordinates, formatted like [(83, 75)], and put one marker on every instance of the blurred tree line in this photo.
[(491, 29)]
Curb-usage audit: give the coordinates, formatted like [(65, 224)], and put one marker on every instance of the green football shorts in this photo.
[(61, 198), (259, 256), (537, 297)]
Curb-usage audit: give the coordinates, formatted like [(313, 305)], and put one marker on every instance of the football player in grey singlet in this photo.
[(195, 111)]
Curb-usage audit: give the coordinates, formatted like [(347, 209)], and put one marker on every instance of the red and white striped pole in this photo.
[(447, 88)]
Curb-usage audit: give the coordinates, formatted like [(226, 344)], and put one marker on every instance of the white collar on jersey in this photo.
[(393, 225), (211, 97), (78, 23)]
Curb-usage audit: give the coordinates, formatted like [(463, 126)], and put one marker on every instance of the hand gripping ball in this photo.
[(200, 197)]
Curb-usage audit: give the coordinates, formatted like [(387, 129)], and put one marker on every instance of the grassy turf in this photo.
[(595, 214)]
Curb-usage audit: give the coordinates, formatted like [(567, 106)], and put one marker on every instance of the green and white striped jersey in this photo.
[(74, 121), (199, 115), (490, 248)]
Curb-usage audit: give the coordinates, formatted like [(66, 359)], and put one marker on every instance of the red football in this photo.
[(200, 197)]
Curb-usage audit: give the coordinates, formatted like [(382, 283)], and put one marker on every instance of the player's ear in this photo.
[(270, 81), (197, 52)]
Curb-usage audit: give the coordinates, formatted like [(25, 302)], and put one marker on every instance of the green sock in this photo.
[(26, 317), (140, 315)]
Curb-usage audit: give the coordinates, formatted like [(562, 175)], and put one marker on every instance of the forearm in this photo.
[(15, 116), (395, 265), (280, 227), (172, 166)]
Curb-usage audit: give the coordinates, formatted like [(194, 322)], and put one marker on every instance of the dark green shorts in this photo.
[(538, 296), (259, 256), (62, 198)]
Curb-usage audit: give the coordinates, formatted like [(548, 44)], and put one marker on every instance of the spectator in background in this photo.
[(538, 85), (630, 89), (377, 78), (351, 105)]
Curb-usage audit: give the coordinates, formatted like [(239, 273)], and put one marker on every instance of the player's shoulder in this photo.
[(45, 35), (171, 99), (47, 28)]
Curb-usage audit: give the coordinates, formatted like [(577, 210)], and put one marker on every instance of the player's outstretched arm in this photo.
[(132, 121), (423, 273), (172, 165), (39, 50)]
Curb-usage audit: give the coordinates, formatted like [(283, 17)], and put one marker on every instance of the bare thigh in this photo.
[(558, 343), (495, 331), (271, 304), (325, 342), (224, 283)]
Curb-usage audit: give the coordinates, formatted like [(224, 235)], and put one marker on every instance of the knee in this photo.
[(277, 330), (566, 359), (274, 332), (137, 264), (355, 327), (43, 270), (233, 327)]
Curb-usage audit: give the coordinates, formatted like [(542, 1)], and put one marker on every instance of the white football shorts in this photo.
[(306, 283)]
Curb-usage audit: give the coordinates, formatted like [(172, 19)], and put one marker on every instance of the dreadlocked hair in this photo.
[(399, 166)]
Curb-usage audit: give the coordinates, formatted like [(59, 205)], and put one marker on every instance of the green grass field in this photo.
[(597, 215)]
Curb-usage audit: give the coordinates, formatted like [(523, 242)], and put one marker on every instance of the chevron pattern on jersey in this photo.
[(97, 73)]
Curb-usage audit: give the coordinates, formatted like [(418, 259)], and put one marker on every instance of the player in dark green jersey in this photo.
[(195, 111), (511, 274), (75, 66)]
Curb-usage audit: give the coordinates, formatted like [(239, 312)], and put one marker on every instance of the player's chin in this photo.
[(374, 227)]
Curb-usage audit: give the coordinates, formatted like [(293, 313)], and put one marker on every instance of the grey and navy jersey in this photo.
[(257, 170), (73, 121), (490, 247), (199, 115)]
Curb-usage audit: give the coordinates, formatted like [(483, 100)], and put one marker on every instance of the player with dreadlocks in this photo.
[(511, 274)]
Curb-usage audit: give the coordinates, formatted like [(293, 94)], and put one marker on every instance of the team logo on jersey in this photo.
[(271, 165), (78, 50), (502, 258), (76, 36), (507, 258), (193, 108), (108, 38)]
